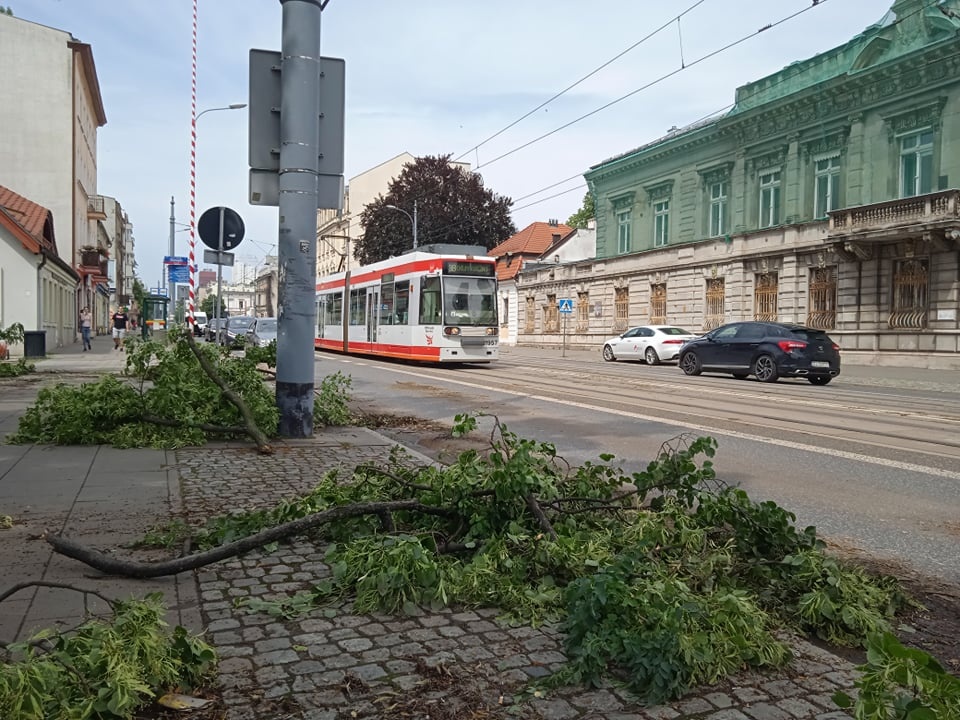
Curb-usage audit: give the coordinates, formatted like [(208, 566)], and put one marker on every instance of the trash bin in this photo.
[(34, 343)]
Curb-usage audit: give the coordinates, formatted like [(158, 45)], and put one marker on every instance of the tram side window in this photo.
[(334, 308), (358, 309), (386, 304), (430, 301), (402, 305)]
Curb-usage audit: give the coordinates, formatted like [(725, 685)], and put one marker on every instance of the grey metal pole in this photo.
[(297, 242), (170, 251), (218, 307), (414, 224)]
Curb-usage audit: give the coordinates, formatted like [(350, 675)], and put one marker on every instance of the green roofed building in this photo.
[(825, 196)]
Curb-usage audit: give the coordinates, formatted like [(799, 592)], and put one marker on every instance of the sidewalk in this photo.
[(315, 666)]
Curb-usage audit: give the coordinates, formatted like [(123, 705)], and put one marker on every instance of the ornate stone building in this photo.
[(823, 197)]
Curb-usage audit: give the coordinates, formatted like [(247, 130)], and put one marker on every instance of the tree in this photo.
[(586, 213), (209, 305), (6, 10), (453, 207)]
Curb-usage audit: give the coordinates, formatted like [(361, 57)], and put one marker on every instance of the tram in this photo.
[(430, 306)]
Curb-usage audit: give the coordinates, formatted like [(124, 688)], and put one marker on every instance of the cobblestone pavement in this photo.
[(333, 665)]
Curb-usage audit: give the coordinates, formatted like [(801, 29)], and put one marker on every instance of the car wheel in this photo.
[(608, 353), (690, 363), (819, 379), (650, 355), (765, 368), (741, 376)]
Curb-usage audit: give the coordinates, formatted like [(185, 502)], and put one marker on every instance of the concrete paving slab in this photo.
[(129, 461)]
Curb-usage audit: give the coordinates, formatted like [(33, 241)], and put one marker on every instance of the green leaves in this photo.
[(103, 669), (901, 683)]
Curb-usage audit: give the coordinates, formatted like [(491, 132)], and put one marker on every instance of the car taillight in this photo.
[(672, 342), (791, 345), (836, 347)]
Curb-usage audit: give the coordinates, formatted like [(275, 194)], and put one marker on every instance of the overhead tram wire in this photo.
[(438, 231), (664, 26), (654, 82), (644, 87)]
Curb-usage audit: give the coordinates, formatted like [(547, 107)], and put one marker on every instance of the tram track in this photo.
[(904, 424)]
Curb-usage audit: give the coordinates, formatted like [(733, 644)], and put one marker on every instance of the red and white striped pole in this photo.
[(193, 179)]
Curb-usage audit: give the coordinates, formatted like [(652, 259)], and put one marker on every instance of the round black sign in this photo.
[(220, 222)]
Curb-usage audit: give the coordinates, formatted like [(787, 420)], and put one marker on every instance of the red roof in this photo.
[(530, 243), (33, 219)]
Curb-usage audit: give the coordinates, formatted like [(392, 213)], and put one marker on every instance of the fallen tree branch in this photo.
[(541, 516), (131, 568), (45, 583), (206, 427), (263, 444)]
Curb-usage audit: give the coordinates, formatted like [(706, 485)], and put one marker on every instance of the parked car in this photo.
[(262, 332), (767, 350), (235, 331), (199, 323), (651, 343), (213, 329)]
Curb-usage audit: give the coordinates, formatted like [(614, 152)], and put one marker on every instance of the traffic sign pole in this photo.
[(297, 241)]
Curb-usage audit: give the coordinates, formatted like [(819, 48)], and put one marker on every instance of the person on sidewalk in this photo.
[(119, 327), (86, 324)]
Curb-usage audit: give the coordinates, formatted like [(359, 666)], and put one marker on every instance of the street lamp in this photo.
[(413, 219), (231, 106)]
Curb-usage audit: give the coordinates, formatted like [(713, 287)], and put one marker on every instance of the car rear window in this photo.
[(809, 335), (674, 331)]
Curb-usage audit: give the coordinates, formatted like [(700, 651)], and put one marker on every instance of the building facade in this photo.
[(37, 286), (825, 197), (50, 110)]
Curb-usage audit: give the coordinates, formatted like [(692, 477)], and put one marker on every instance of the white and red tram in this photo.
[(422, 306)]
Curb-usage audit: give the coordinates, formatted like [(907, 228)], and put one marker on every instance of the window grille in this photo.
[(716, 294), (765, 290), (529, 321), (909, 306), (621, 306), (658, 303), (583, 311), (823, 298), (551, 315)]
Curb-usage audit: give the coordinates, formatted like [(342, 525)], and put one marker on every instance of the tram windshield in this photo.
[(469, 301)]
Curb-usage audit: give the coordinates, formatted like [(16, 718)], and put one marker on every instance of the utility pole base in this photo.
[(295, 403)]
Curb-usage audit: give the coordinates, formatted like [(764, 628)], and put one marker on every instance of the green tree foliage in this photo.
[(453, 207), (139, 294), (6, 10), (664, 578), (586, 213), (209, 306), (103, 670)]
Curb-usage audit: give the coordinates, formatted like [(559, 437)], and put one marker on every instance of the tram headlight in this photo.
[(451, 331), (491, 331)]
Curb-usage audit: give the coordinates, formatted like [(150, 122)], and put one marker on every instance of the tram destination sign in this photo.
[(467, 267)]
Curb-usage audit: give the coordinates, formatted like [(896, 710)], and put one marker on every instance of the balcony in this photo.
[(93, 262), (932, 219), (95, 208)]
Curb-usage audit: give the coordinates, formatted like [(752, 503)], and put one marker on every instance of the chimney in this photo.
[(553, 222)]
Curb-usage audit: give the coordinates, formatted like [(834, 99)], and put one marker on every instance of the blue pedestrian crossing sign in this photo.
[(565, 305)]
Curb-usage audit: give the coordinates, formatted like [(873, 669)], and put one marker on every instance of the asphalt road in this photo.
[(872, 460)]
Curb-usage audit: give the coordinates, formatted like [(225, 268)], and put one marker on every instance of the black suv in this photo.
[(767, 350)]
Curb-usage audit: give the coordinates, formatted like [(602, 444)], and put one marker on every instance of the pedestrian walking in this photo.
[(86, 324), (119, 327)]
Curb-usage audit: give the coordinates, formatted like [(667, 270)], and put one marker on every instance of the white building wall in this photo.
[(36, 117)]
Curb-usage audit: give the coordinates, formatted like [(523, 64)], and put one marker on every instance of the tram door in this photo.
[(373, 313)]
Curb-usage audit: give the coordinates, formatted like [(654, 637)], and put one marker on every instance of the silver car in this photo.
[(262, 332), (651, 343)]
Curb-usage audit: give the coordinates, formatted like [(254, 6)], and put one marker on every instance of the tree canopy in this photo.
[(586, 213), (452, 206)]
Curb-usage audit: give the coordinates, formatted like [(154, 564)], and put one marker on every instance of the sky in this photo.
[(428, 77)]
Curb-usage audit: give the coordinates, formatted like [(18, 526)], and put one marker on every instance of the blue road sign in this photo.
[(175, 260), (179, 274), (565, 305)]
